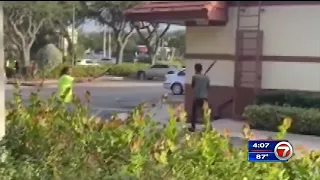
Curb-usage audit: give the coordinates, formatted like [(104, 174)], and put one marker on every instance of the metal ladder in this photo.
[(249, 32), (242, 14)]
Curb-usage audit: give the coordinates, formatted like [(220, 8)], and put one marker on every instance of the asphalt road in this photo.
[(106, 98)]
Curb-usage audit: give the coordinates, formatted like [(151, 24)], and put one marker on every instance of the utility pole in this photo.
[(2, 98), (72, 33), (109, 43), (104, 41)]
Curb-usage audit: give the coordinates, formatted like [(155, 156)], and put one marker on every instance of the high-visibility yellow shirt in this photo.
[(65, 82)]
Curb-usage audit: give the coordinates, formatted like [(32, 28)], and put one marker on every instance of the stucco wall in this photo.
[(291, 75), (221, 74), (288, 31)]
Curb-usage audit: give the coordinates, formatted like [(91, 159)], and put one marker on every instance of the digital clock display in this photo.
[(269, 151), (261, 145)]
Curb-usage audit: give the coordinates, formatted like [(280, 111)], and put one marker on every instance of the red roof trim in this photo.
[(210, 10)]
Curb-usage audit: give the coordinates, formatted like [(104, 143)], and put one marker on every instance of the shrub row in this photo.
[(269, 117), (125, 69), (46, 141), (294, 99), (79, 71), (10, 72)]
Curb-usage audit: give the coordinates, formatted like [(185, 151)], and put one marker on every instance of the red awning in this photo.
[(163, 11)]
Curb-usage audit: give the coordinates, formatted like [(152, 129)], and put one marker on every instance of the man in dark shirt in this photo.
[(200, 86)]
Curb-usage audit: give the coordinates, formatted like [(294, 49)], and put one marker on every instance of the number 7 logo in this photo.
[(283, 151)]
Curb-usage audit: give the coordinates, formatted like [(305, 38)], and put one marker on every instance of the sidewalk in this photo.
[(235, 129), (33, 82)]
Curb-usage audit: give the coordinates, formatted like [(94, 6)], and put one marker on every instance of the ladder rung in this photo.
[(257, 15), (250, 38), (249, 71), (248, 82), (255, 56), (248, 26), (248, 48)]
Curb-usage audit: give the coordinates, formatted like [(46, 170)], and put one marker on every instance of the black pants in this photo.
[(196, 105)]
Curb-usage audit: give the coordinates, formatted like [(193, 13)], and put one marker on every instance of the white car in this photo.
[(174, 81), (87, 62)]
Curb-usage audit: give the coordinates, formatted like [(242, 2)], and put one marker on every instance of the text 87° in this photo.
[(262, 156)]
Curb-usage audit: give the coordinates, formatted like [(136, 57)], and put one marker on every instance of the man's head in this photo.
[(198, 68)]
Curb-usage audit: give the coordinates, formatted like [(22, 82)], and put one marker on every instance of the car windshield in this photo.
[(181, 73)]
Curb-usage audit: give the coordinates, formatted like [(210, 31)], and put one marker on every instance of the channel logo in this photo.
[(283, 150)]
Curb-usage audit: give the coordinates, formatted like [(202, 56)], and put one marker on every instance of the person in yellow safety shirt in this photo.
[(65, 85)]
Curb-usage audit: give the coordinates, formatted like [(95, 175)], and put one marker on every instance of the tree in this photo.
[(48, 58), (62, 21), (177, 39), (111, 13), (151, 38), (22, 22)]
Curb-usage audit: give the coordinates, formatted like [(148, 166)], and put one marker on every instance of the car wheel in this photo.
[(141, 75), (177, 89)]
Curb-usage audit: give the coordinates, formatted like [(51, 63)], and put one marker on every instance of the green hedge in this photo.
[(126, 69), (294, 99), (269, 117), (79, 71), (10, 72), (45, 141), (176, 62)]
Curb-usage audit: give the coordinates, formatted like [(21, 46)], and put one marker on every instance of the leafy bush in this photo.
[(80, 71), (48, 57), (176, 62), (126, 69), (294, 99), (44, 140), (10, 72), (269, 117)]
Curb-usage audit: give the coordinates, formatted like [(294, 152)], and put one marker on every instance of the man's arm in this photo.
[(208, 83), (193, 82)]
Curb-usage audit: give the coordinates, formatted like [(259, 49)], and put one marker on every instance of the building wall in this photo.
[(303, 76), (288, 31)]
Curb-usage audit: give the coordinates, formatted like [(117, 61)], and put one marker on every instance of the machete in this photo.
[(211, 65)]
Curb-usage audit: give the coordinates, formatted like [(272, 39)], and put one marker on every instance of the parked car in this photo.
[(86, 62), (106, 60), (156, 71), (174, 81)]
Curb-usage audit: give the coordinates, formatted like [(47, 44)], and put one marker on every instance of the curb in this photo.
[(110, 78), (24, 84), (79, 81), (44, 84)]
